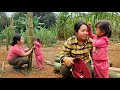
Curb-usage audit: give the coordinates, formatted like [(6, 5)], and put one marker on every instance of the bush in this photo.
[(47, 37)]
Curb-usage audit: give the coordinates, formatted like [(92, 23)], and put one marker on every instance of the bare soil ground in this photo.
[(49, 55)]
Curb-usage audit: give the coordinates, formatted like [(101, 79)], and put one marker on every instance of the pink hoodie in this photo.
[(101, 45)]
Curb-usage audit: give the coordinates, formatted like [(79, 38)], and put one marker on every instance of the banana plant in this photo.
[(36, 24), (20, 24)]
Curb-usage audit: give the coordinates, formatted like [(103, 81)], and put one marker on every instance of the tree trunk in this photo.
[(30, 36)]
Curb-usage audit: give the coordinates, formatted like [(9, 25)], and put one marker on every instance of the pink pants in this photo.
[(101, 68), (39, 61)]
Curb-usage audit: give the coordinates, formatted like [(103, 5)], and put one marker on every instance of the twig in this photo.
[(48, 62)]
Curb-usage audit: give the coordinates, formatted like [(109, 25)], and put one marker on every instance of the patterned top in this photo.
[(72, 49)]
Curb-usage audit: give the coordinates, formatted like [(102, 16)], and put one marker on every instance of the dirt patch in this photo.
[(114, 54)]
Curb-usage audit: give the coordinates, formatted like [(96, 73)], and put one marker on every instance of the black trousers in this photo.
[(18, 62)]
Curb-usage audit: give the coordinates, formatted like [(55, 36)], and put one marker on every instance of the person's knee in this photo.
[(65, 71), (10, 62), (25, 60)]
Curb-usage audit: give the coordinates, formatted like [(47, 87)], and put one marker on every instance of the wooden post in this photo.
[(6, 33), (30, 36), (12, 26)]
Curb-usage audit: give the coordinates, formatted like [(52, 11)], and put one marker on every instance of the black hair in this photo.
[(105, 26), (78, 25), (16, 38), (38, 39)]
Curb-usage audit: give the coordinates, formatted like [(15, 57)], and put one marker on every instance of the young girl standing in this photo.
[(38, 53), (100, 48)]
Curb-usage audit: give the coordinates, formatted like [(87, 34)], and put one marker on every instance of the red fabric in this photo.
[(80, 69)]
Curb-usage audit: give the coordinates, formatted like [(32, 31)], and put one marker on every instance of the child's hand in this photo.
[(89, 23), (89, 26)]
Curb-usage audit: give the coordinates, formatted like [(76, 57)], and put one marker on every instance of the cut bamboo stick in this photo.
[(2, 65)]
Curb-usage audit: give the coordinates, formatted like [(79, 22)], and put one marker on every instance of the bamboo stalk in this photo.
[(12, 26), (30, 36), (6, 33)]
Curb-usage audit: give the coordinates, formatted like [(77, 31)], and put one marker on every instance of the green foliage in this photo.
[(48, 38), (3, 36), (24, 34), (41, 19), (63, 28), (48, 18), (36, 23), (63, 25), (20, 24), (4, 20), (66, 20)]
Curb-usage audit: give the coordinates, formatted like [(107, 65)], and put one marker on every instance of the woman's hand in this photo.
[(26, 49), (68, 61), (33, 47)]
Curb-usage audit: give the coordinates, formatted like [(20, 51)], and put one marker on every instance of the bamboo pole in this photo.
[(30, 36), (6, 33), (12, 26)]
